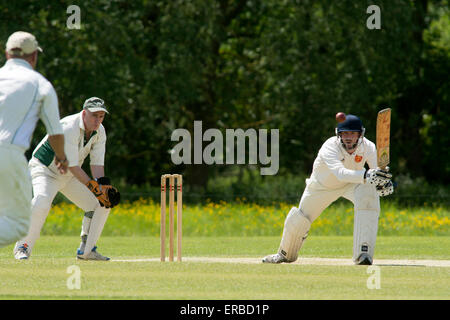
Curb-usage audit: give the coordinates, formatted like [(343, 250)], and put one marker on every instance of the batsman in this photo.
[(84, 135), (339, 171)]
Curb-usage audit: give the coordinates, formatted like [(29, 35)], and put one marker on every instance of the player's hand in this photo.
[(100, 192), (377, 177), (61, 164)]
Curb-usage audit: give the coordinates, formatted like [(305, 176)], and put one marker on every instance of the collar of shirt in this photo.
[(18, 62), (81, 121)]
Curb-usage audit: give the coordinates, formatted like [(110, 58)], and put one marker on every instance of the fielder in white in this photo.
[(25, 97), (338, 171), (84, 135)]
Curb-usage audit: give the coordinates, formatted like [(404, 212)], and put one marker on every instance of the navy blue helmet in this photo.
[(351, 123)]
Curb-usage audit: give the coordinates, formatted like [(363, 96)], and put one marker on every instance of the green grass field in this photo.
[(45, 276)]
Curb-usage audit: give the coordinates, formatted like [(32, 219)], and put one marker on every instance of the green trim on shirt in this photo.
[(87, 141), (45, 153)]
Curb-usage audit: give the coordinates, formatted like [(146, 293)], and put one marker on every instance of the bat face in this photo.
[(383, 137)]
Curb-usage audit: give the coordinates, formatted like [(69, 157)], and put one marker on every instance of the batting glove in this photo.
[(377, 177)]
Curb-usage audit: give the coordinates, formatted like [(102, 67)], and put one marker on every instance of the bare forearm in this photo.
[(97, 171), (57, 143)]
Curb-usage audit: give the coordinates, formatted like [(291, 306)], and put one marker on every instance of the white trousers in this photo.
[(46, 185), (315, 199), (15, 194)]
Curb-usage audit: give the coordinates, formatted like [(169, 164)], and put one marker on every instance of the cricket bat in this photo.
[(383, 137)]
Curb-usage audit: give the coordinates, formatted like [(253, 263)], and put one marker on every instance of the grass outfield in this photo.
[(45, 275)]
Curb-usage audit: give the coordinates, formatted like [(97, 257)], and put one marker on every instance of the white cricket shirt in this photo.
[(76, 147), (25, 97), (334, 167)]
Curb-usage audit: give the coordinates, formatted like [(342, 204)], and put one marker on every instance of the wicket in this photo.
[(179, 183)]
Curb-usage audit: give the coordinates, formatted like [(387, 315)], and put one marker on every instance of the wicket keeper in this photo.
[(84, 135)]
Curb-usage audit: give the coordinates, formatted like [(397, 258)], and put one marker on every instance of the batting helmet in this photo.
[(351, 123)]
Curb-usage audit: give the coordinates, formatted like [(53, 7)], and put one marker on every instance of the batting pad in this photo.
[(296, 227), (364, 233), (365, 228)]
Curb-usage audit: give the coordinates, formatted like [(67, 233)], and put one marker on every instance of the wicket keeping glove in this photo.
[(112, 194), (99, 193)]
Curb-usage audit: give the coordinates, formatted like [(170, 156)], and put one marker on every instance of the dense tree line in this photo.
[(273, 64)]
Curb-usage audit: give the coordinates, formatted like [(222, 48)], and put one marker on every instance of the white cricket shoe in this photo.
[(22, 252), (274, 258), (93, 255)]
